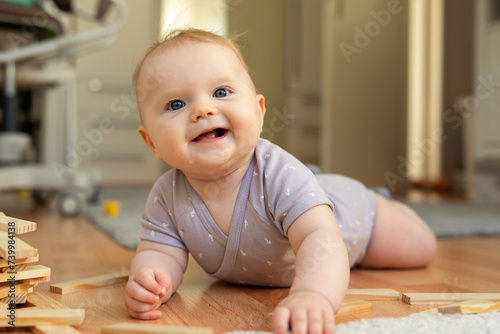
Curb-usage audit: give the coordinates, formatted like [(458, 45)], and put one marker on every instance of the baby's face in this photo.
[(199, 108)]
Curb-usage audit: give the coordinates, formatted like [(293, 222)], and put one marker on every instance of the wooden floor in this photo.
[(75, 248)]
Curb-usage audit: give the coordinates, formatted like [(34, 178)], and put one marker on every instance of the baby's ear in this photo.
[(261, 103), (145, 136)]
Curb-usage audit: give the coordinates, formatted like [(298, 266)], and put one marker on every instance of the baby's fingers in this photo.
[(164, 281), (329, 320), (281, 320), (139, 309), (147, 279), (148, 315), (136, 306), (137, 292), (318, 322), (301, 320)]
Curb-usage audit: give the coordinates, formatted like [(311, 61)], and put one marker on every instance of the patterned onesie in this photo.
[(276, 190)]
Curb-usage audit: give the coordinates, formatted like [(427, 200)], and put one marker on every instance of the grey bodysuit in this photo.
[(276, 190)]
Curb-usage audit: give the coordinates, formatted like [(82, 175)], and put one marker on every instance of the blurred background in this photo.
[(402, 94)]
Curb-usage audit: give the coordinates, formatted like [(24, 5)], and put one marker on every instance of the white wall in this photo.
[(367, 91), (106, 96), (262, 24)]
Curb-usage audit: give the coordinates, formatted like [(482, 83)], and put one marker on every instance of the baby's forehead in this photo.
[(180, 51), (174, 47)]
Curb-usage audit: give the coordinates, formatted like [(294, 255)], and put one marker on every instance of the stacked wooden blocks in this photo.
[(18, 272)]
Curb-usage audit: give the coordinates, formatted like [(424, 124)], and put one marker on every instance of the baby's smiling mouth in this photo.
[(215, 133)]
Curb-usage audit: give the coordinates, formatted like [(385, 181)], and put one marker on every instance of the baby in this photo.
[(246, 210)]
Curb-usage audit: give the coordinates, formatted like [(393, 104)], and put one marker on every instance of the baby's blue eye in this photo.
[(176, 105), (221, 92)]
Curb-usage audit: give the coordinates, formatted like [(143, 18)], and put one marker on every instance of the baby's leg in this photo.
[(400, 238)]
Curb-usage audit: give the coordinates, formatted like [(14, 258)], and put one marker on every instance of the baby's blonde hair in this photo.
[(178, 36)]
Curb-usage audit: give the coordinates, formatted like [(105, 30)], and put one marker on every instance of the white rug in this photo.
[(482, 323), (426, 323)]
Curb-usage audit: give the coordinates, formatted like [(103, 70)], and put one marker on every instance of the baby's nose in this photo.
[(203, 110)]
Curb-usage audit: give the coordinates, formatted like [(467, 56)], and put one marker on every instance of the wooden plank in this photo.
[(48, 329), (465, 302), (18, 261), (21, 226), (471, 308), (14, 268), (18, 298), (21, 249), (141, 328), (89, 282), (31, 272), (353, 306), (6, 288), (43, 301), (38, 280), (372, 294), (446, 298), (37, 317)]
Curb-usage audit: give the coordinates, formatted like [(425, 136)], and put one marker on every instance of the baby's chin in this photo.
[(217, 168)]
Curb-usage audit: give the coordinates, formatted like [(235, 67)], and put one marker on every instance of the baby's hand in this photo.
[(144, 293), (304, 312)]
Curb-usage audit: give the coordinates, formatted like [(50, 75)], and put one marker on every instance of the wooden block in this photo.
[(89, 283), (446, 298), (34, 271), (37, 280), (465, 302), (43, 301), (6, 288), (471, 308), (14, 268), (37, 317), (21, 226), (141, 328), (48, 329), (353, 306), (4, 306), (18, 298), (21, 249), (6, 263), (372, 294)]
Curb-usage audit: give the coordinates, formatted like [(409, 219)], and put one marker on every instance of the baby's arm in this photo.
[(321, 275), (156, 272)]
